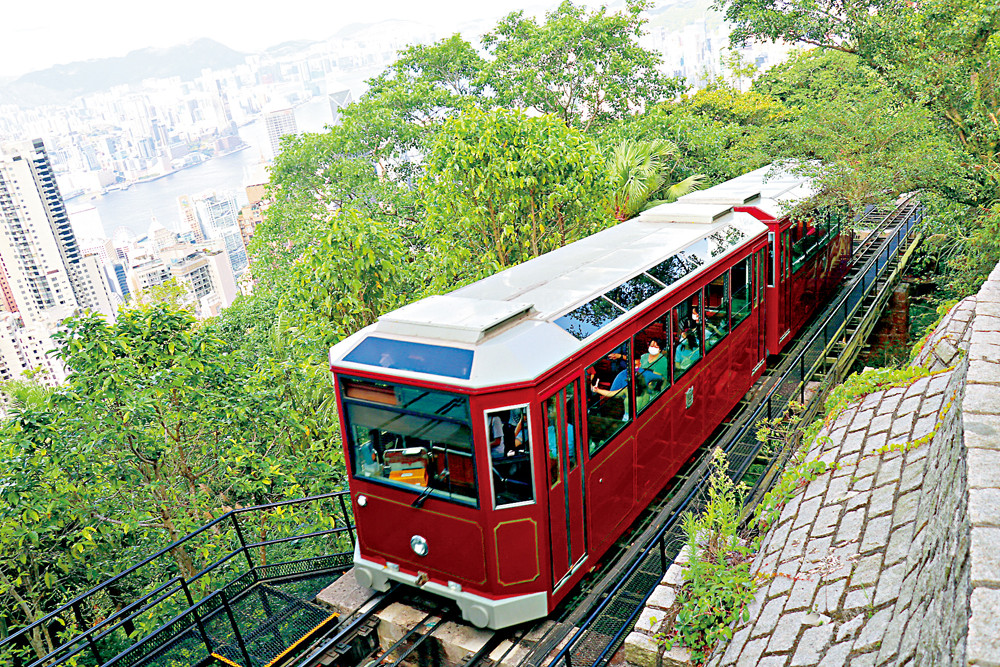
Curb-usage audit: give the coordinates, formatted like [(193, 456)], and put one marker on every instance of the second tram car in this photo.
[(500, 438)]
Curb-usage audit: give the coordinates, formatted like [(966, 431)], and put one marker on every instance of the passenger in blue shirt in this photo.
[(619, 386), (686, 352), (554, 446)]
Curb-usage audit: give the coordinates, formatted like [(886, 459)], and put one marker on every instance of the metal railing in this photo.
[(145, 608)]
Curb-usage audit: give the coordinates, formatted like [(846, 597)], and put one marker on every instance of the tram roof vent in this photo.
[(453, 318), (697, 213), (720, 195)]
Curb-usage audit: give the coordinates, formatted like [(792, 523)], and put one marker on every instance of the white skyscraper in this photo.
[(219, 216), (46, 272), (279, 123)]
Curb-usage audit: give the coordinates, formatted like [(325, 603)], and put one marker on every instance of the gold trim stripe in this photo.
[(496, 551)]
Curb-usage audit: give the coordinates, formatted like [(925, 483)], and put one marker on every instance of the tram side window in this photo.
[(411, 438), (686, 335), (809, 235), (510, 455), (742, 290), (716, 311), (609, 385), (652, 378)]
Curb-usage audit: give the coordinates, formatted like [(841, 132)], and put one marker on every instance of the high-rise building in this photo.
[(279, 123), (45, 272), (219, 216), (189, 218)]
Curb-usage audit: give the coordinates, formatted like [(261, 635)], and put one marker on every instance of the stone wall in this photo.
[(929, 621), (981, 417), (893, 555)]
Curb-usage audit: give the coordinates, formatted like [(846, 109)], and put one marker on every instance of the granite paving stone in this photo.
[(850, 527), (984, 468), (768, 618), (876, 534), (752, 651), (802, 594), (859, 600), (807, 512), (889, 472), (881, 501), (889, 583), (983, 504), (826, 521), (786, 632), (864, 660), (986, 556), (811, 646), (875, 559), (827, 598)]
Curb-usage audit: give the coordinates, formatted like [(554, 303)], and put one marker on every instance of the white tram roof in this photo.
[(513, 326)]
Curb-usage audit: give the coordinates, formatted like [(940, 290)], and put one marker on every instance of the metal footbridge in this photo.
[(254, 603)]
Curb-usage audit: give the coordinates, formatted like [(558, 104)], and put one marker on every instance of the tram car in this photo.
[(501, 437)]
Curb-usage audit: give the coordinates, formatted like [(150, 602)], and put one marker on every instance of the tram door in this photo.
[(564, 471), (785, 308), (759, 283)]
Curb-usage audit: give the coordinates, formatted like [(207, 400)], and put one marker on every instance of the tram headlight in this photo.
[(419, 545)]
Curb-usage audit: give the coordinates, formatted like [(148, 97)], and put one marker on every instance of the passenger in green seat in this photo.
[(687, 352)]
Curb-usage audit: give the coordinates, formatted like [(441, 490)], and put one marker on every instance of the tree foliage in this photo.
[(502, 188), (638, 172), (939, 54), (159, 428), (357, 269), (585, 68)]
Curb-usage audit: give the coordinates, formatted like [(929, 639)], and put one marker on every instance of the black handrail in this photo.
[(88, 636)]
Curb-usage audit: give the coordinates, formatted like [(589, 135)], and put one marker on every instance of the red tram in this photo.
[(501, 437)]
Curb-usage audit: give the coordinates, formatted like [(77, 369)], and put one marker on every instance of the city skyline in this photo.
[(62, 32)]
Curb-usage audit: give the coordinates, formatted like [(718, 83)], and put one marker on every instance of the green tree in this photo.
[(719, 131), (422, 88), (585, 68), (638, 171), (502, 188), (160, 427), (315, 176), (940, 54), (357, 269)]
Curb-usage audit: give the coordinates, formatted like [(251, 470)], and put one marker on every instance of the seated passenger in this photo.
[(686, 352), (619, 387), (712, 332), (554, 445), (654, 369), (655, 362)]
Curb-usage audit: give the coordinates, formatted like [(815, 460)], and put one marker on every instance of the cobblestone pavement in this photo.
[(891, 557), (833, 567)]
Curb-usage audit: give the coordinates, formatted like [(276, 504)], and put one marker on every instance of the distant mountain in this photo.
[(289, 47), (64, 82)]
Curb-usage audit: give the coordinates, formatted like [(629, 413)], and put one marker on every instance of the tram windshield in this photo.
[(409, 437)]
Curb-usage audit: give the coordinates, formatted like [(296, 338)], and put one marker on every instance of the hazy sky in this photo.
[(39, 34)]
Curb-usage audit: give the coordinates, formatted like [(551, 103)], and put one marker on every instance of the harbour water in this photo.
[(135, 208)]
